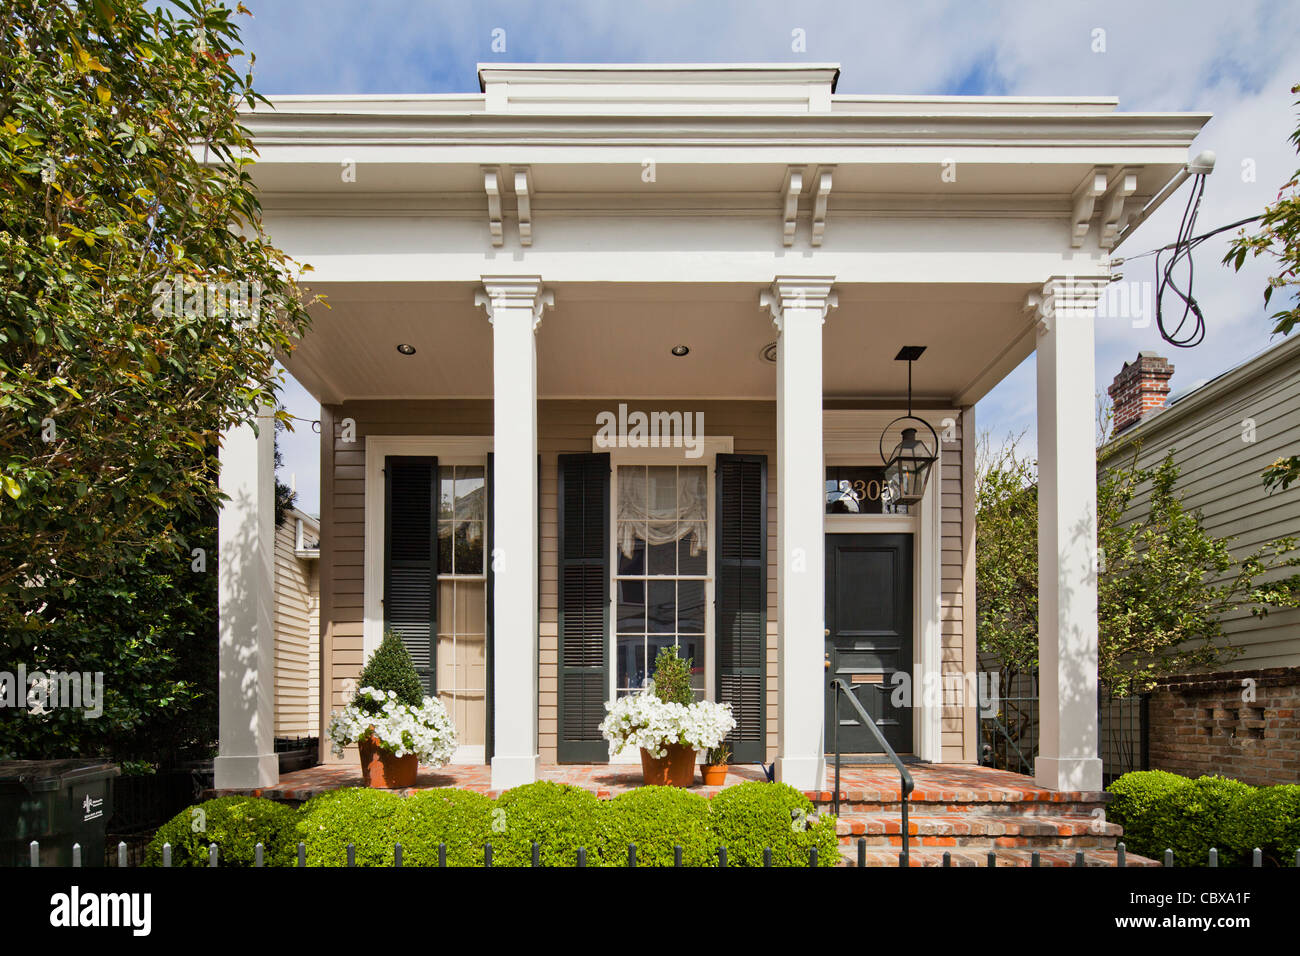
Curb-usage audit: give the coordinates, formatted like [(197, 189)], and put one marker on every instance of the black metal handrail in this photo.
[(906, 783)]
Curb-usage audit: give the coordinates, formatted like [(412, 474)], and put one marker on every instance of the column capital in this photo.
[(798, 294), (514, 292), (1064, 294)]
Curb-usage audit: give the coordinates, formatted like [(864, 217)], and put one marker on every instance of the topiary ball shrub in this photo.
[(1268, 820), (559, 817), (236, 825), (390, 668), (372, 820), (461, 819), (1134, 800), (750, 817), (1190, 820), (657, 819)]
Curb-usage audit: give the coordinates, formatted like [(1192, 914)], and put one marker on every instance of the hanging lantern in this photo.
[(907, 467)]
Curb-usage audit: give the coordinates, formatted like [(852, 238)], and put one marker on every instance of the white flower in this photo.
[(643, 720), (426, 731)]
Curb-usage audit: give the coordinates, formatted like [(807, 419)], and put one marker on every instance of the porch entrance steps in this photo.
[(969, 812)]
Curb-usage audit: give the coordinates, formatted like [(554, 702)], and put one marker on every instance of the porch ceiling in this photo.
[(614, 340)]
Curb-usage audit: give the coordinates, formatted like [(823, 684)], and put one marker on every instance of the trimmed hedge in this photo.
[(1136, 805), (560, 818), (1191, 819), (462, 819), (236, 825), (371, 820), (658, 819), (1268, 818), (750, 817)]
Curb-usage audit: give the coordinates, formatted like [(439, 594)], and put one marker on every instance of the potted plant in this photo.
[(714, 767), (666, 723), (394, 725)]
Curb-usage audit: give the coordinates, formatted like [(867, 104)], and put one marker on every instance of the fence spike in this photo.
[(1297, 857), (487, 854), (121, 853), (1079, 859), (1035, 859), (1257, 857), (812, 857), (76, 854), (993, 858), (537, 854), (35, 850), (257, 854), (947, 858), (167, 854), (582, 856), (631, 854), (352, 854), (767, 856), (1214, 856), (213, 855), (1120, 859), (302, 853), (677, 856), (397, 855), (1169, 857), (862, 853), (722, 856), (442, 855)]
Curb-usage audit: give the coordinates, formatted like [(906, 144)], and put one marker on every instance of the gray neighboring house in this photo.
[(1243, 720)]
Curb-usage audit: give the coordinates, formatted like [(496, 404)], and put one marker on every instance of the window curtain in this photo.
[(651, 508)]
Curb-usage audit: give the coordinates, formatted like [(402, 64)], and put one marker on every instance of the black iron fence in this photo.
[(1009, 726)]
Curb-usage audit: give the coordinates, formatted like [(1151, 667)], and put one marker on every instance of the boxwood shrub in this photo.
[(559, 817), (1191, 819), (462, 819), (236, 825), (372, 820), (1267, 819), (752, 816), (657, 819), (1136, 805)]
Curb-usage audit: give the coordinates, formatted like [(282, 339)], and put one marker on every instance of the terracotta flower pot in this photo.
[(382, 770), (675, 769), (714, 774)]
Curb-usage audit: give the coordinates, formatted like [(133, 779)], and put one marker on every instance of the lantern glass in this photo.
[(908, 468)]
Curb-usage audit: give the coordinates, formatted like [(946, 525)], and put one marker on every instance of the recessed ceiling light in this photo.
[(406, 349), (680, 350), (768, 353)]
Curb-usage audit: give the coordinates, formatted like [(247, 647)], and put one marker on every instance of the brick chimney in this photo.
[(1140, 388)]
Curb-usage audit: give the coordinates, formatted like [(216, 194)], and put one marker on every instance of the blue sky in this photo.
[(1236, 60)]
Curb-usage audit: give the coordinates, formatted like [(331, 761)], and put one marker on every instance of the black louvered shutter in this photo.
[(583, 594), (740, 599), (411, 559)]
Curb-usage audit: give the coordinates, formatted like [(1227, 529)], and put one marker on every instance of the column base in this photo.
[(802, 773), (510, 772), (1068, 773), (246, 773)]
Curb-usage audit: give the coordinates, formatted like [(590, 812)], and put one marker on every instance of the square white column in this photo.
[(514, 306), (798, 306), (246, 608), (1067, 536)]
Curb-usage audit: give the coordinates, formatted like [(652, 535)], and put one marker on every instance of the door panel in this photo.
[(868, 635)]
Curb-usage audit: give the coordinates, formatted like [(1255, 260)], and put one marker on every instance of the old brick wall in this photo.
[(1208, 724)]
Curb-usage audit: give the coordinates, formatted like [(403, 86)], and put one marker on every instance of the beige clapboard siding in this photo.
[(1220, 478), (567, 427), (296, 632)]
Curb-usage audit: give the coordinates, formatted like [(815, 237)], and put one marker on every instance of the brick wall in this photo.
[(1141, 387), (1207, 724)]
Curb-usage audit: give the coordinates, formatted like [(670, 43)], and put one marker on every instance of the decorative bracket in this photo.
[(1122, 185), (791, 189), (1085, 202), (822, 193), (492, 185), (523, 198)]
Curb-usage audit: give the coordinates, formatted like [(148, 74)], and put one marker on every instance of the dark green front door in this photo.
[(868, 636)]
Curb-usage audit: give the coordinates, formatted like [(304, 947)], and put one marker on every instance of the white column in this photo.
[(799, 306), (245, 608), (514, 306), (1067, 536)]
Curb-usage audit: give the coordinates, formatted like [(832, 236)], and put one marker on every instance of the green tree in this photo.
[(141, 303), (1279, 238), (1163, 583)]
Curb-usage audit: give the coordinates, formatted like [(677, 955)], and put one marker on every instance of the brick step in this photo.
[(1014, 856), (1002, 809), (1027, 801), (978, 830)]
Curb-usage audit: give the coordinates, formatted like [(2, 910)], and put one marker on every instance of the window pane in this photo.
[(444, 547), (654, 645), (693, 648), (693, 548), (469, 547), (661, 489), (469, 492), (663, 557), (446, 493), (630, 655), (631, 607), (690, 607), (661, 608), (631, 548)]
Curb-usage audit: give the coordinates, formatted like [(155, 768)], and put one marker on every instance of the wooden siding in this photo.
[(297, 645), (1221, 477)]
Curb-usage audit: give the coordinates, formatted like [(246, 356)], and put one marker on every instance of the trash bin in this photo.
[(57, 802)]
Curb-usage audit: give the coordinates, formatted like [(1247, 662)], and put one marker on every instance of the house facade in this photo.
[(613, 361), (1239, 720)]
